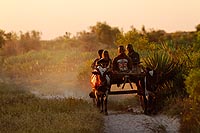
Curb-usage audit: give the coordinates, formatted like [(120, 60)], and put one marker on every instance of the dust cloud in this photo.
[(58, 85)]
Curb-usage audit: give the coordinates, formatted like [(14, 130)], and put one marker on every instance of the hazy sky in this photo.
[(55, 17)]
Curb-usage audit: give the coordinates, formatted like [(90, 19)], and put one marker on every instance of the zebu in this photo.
[(149, 84), (100, 82)]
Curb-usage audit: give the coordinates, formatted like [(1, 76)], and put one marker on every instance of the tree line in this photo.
[(106, 35)]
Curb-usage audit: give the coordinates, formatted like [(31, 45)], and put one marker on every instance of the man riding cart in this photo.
[(125, 67)]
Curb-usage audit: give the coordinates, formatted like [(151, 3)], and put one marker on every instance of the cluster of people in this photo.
[(121, 63)]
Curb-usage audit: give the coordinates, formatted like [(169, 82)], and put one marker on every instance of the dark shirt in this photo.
[(122, 63), (106, 63), (134, 57)]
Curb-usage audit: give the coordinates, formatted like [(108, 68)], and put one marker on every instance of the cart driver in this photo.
[(121, 64), (133, 54), (136, 61)]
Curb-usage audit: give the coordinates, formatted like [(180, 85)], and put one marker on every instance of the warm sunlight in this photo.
[(54, 17), (100, 66)]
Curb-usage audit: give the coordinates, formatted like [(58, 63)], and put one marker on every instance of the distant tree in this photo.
[(183, 38), (67, 35), (11, 36), (35, 35), (87, 40), (156, 35), (134, 37), (2, 38), (198, 37), (105, 33), (131, 36), (198, 27), (29, 41)]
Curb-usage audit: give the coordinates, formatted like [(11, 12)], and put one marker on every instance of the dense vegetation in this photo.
[(175, 55)]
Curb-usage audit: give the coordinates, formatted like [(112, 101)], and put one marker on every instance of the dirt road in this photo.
[(136, 122)]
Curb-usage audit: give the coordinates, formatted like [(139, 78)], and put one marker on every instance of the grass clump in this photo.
[(21, 111), (187, 110)]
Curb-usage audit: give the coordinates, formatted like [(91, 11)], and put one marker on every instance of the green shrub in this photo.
[(193, 84), (167, 69), (190, 118), (163, 64), (187, 110)]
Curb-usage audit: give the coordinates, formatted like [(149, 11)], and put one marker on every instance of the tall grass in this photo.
[(23, 112)]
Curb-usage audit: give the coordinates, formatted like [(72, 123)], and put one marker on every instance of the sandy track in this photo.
[(137, 122)]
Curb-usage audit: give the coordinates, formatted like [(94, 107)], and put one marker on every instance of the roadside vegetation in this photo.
[(30, 63), (21, 111)]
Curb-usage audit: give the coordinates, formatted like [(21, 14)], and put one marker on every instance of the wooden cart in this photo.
[(137, 77)]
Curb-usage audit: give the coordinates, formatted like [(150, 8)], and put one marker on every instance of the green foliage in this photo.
[(190, 120), (173, 106), (156, 36), (183, 38), (89, 42), (198, 37), (166, 70), (163, 64), (176, 53), (105, 33), (38, 62), (187, 110), (195, 59), (198, 27), (23, 112), (139, 41), (192, 84)]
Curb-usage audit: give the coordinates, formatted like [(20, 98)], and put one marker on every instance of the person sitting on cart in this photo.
[(136, 61), (94, 64), (105, 61), (121, 64), (135, 57), (102, 65)]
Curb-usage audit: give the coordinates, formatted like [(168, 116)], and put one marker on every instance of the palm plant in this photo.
[(163, 64), (166, 69)]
